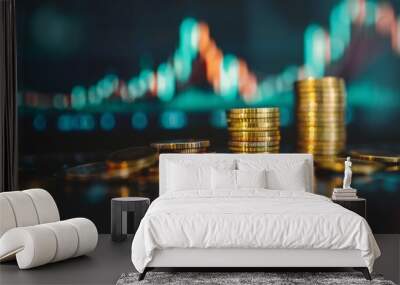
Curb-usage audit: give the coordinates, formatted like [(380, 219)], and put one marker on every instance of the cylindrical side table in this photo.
[(119, 209)]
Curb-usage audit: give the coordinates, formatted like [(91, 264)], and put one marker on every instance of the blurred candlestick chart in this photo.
[(199, 76)]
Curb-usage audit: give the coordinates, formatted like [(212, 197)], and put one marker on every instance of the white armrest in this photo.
[(33, 246), (40, 244)]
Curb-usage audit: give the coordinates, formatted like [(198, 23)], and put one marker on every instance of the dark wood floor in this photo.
[(103, 266), (106, 264)]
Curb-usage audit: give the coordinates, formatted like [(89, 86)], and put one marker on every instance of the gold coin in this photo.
[(320, 148), (261, 134), (315, 131), (251, 129), (327, 80), (180, 144), (255, 139), (185, 150), (321, 79), (320, 125), (338, 89), (393, 168), (322, 137), (253, 110), (192, 150), (332, 84), (99, 171), (253, 126), (336, 164), (308, 128), (333, 120), (321, 84), (306, 122), (318, 88), (321, 134), (321, 120), (320, 116), (132, 158), (267, 151), (320, 103), (321, 91), (319, 152), (325, 106), (320, 109), (259, 139), (330, 113), (321, 143), (254, 150), (380, 156), (273, 115), (253, 144), (255, 121), (324, 123), (305, 140)]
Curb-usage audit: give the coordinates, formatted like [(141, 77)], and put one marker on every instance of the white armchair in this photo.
[(31, 230)]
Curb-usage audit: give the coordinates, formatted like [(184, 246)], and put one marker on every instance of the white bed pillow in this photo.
[(290, 180), (183, 178), (281, 174), (217, 163), (251, 178), (230, 180), (223, 179)]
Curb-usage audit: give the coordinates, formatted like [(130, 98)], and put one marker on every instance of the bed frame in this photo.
[(247, 258), (243, 259)]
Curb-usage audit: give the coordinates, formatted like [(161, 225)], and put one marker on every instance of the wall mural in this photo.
[(103, 90)]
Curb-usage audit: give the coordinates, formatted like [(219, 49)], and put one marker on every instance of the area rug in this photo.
[(233, 278)]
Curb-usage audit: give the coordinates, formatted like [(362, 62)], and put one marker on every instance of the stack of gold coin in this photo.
[(359, 166), (182, 146), (254, 130), (390, 158), (320, 110), (178, 146), (122, 164)]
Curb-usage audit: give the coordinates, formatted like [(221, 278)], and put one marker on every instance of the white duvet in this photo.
[(250, 219)]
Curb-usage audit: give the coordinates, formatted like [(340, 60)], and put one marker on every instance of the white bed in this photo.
[(250, 227)]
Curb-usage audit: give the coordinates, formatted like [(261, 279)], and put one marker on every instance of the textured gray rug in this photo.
[(229, 278)]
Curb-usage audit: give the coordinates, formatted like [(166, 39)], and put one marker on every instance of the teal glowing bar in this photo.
[(78, 97), (370, 13), (314, 50), (189, 37), (182, 65), (340, 29), (165, 82), (229, 82)]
